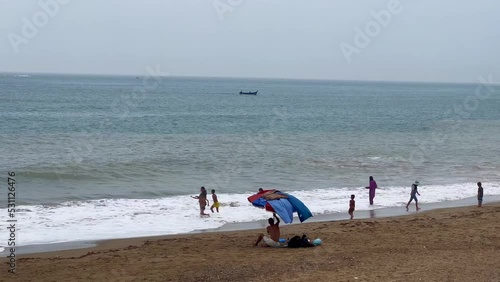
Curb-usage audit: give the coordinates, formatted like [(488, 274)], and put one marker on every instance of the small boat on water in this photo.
[(249, 93)]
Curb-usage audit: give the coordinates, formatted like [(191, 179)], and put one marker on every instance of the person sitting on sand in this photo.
[(352, 205), (202, 200), (479, 195), (413, 195), (215, 202), (274, 233)]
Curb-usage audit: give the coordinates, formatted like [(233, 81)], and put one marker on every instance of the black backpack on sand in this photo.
[(300, 242)]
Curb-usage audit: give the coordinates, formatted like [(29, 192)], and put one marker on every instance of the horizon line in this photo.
[(241, 77)]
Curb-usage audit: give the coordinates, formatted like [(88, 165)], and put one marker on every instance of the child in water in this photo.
[(215, 201), (413, 195), (479, 195), (352, 205)]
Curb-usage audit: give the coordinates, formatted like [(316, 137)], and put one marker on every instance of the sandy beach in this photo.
[(456, 244)]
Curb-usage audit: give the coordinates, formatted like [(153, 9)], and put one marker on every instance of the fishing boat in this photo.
[(249, 93)]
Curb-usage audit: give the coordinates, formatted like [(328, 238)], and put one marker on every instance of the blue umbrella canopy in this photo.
[(281, 203)]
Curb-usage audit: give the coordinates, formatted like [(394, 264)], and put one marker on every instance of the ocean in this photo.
[(100, 157)]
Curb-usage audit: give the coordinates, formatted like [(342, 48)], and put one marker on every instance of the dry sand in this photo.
[(458, 244)]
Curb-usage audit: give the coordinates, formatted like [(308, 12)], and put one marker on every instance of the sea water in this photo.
[(100, 157)]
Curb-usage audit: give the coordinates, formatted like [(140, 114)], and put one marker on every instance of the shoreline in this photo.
[(73, 248), (449, 244)]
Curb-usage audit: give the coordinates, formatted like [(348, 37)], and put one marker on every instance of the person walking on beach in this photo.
[(413, 195), (215, 202), (274, 233), (352, 205), (479, 195), (202, 200), (372, 186)]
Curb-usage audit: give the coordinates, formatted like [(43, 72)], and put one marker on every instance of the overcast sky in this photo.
[(424, 40)]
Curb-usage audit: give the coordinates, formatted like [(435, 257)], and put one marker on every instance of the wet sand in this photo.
[(454, 244)]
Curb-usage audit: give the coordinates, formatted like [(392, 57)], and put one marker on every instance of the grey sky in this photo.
[(427, 40)]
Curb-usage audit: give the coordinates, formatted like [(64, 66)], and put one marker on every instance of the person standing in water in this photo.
[(372, 186), (202, 200), (479, 195), (215, 202), (413, 195)]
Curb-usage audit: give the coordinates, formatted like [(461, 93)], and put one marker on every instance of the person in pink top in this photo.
[(372, 187)]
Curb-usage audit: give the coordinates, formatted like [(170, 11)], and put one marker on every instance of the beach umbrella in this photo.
[(281, 203)]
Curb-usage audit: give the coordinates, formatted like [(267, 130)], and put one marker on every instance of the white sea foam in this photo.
[(123, 218)]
